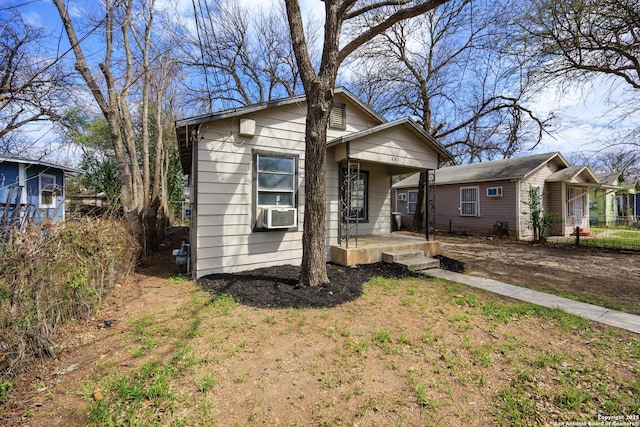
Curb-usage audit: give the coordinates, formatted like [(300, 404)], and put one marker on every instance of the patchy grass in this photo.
[(408, 352)]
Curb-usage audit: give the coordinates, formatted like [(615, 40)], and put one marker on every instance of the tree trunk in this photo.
[(418, 217), (314, 270)]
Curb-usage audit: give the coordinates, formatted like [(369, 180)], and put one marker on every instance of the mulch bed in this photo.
[(278, 287)]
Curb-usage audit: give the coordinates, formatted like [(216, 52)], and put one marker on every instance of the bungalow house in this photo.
[(31, 191), (603, 204), (246, 178), (474, 198)]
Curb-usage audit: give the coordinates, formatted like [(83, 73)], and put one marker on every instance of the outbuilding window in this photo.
[(48, 190), (469, 201)]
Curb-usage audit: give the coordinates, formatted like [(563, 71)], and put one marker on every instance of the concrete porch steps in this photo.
[(413, 260)]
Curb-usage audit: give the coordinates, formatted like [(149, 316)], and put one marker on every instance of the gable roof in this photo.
[(25, 161), (572, 173), (609, 178), (185, 127), (405, 122), (495, 170)]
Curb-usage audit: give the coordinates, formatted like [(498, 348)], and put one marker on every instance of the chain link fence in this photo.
[(625, 236)]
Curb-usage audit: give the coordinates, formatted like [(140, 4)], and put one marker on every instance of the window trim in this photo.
[(365, 209), (571, 202), (409, 202), (257, 208), (475, 203), (41, 202), (294, 191)]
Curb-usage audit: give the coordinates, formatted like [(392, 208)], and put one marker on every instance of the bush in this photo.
[(50, 275)]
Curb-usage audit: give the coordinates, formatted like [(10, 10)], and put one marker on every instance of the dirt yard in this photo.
[(56, 392), (606, 277)]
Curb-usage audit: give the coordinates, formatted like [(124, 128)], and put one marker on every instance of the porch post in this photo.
[(426, 204)]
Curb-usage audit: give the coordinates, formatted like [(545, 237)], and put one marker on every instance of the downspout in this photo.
[(518, 211), (426, 204), (193, 222)]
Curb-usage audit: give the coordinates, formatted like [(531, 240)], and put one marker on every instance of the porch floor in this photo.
[(370, 248)]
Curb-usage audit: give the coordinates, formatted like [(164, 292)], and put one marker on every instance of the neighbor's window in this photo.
[(276, 180), (47, 191), (577, 200), (469, 201), (413, 202), (338, 116)]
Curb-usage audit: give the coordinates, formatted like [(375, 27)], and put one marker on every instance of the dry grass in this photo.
[(408, 352), (51, 274)]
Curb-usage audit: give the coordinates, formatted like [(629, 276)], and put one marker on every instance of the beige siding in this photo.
[(556, 204), (224, 238), (491, 209), (538, 179), (395, 146)]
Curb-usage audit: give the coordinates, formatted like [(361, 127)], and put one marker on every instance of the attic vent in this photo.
[(338, 116)]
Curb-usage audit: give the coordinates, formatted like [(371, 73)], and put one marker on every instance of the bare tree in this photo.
[(618, 159), (364, 21), (127, 25), (244, 55), (444, 68), (34, 85), (577, 42)]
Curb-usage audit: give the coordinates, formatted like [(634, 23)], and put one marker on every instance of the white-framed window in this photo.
[(402, 196), (494, 192), (537, 193), (412, 203), (469, 201), (576, 201), (48, 191), (276, 180)]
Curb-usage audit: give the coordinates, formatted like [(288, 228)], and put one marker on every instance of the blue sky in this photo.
[(585, 117)]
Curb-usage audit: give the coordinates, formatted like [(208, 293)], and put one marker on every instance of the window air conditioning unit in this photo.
[(278, 218), (494, 192)]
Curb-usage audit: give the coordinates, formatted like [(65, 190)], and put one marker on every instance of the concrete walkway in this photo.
[(615, 318)]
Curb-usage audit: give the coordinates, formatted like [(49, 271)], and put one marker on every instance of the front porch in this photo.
[(369, 249)]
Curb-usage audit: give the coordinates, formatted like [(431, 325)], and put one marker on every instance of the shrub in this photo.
[(50, 275)]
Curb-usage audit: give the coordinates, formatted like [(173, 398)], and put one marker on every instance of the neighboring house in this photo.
[(246, 173), (603, 206), (474, 198), (405, 199), (628, 202), (31, 191)]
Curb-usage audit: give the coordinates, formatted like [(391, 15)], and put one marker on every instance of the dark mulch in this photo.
[(451, 264), (277, 287)]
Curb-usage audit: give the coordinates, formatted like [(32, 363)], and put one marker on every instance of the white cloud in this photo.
[(588, 117)]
